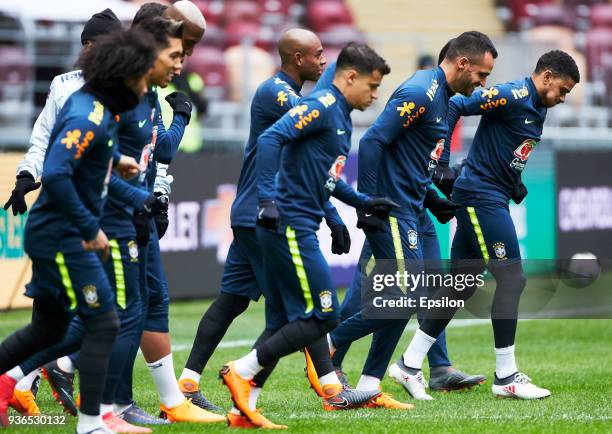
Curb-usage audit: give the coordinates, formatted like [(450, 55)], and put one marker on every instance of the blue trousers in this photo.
[(385, 339)]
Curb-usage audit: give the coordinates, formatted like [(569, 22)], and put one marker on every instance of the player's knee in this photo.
[(230, 304), (49, 323), (104, 326)]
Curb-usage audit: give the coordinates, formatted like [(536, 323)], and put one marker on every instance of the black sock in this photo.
[(292, 337), (319, 354), (48, 326), (260, 379), (212, 328), (100, 333)]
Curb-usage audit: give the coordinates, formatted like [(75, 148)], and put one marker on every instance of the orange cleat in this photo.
[(259, 420), (239, 388), (312, 376), (24, 402), (189, 412), (239, 421), (118, 425), (385, 400)]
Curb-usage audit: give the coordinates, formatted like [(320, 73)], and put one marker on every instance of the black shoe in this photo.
[(137, 416), (62, 386), (349, 398), (448, 378)]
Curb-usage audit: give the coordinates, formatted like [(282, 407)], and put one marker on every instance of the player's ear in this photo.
[(547, 77), (462, 63), (351, 76), (299, 59)]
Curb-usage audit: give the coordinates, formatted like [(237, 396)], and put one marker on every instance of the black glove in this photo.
[(155, 204), (379, 206), (142, 224), (161, 219), (267, 214), (519, 193), (180, 103), (23, 185), (443, 209), (369, 222), (341, 239), (444, 178)]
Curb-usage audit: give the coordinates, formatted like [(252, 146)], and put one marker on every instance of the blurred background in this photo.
[(569, 206)]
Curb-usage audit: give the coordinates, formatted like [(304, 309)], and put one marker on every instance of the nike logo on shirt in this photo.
[(142, 123), (527, 121), (340, 132)]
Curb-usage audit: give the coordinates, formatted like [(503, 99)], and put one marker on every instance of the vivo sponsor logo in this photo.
[(585, 208)]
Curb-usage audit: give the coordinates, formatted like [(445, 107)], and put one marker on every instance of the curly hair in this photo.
[(118, 57), (560, 63)]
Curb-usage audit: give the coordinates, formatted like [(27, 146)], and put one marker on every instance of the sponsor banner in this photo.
[(15, 267), (584, 203), (196, 243)]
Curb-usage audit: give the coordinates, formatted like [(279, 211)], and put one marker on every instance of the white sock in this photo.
[(65, 364), (505, 365), (164, 378), (120, 408), (331, 378), (255, 391), (367, 382), (417, 349), (105, 409), (88, 423), (25, 384), (234, 410), (188, 374), (332, 347), (248, 366), (16, 374)]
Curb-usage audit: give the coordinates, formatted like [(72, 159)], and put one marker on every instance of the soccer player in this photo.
[(31, 166), (397, 157), (63, 233), (513, 115), (443, 375), (307, 147), (244, 278)]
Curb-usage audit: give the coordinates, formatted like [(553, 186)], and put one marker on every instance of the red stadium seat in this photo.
[(551, 15), (599, 52), (208, 63), (276, 6), (238, 31), (241, 10), (215, 36), (212, 10), (323, 14), (601, 15)]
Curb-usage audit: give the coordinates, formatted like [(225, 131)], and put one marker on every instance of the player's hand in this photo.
[(161, 219), (379, 206), (444, 178), (100, 243), (23, 185), (267, 214), (519, 193), (155, 205), (341, 239), (443, 209), (127, 167), (180, 103), (369, 222), (142, 224)]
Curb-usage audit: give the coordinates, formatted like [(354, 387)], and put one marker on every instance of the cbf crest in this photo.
[(413, 239), (500, 250), (133, 250), (326, 301), (91, 296)]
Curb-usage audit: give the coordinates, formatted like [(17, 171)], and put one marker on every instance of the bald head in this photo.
[(301, 55), (194, 23), (296, 41)]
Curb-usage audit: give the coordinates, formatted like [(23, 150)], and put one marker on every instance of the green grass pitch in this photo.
[(570, 357)]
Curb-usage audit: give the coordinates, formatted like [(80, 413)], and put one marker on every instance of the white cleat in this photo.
[(518, 386), (414, 384)]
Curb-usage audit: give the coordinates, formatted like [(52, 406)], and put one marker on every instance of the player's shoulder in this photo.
[(420, 88), (85, 109), (64, 85), (323, 99)]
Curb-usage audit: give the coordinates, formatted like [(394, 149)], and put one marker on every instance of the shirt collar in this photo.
[(346, 107), (535, 98), (283, 76), (441, 77)]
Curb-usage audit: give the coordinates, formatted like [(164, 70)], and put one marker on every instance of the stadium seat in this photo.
[(601, 15), (14, 72), (238, 31), (323, 14), (599, 51), (276, 6), (212, 11), (209, 63), (241, 11), (215, 36), (551, 15)]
